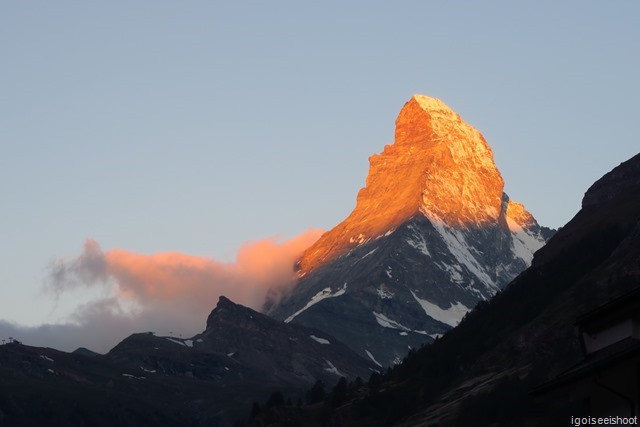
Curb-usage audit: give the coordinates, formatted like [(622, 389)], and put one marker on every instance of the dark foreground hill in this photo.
[(208, 380), (486, 371)]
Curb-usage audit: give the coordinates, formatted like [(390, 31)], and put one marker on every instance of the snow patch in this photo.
[(177, 341), (323, 294), (453, 270), (388, 271), (360, 239), (319, 340), (524, 244), (386, 234), (333, 369), (134, 377), (451, 316), (369, 253), (372, 358), (230, 354), (418, 242), (459, 248), (385, 322), (48, 359), (151, 371), (384, 293), (404, 334)]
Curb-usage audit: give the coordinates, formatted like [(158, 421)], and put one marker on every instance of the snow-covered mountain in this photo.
[(431, 235)]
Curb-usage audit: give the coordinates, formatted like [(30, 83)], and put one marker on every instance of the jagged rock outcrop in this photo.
[(239, 344), (289, 354), (432, 234)]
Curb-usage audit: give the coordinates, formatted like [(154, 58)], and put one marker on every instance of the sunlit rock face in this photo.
[(438, 165), (432, 234)]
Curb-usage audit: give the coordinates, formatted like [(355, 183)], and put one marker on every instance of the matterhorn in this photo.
[(432, 234)]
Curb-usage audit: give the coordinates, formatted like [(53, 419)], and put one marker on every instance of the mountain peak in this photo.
[(431, 104), (622, 178), (227, 311), (431, 235), (224, 301), (438, 166)]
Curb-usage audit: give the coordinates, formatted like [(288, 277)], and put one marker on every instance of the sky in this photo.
[(155, 155)]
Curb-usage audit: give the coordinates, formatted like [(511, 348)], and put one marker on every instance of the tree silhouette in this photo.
[(276, 399), (317, 393), (339, 392), (255, 410)]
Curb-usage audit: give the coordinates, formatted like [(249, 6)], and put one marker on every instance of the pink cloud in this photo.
[(173, 291)]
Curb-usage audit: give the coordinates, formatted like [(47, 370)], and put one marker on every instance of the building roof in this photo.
[(593, 363), (623, 307)]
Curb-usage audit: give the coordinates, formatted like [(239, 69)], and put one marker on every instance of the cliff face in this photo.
[(438, 165), (432, 234)]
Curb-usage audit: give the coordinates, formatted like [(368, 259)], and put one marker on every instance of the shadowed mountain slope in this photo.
[(482, 372)]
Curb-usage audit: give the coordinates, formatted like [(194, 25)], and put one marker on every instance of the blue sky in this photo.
[(194, 127)]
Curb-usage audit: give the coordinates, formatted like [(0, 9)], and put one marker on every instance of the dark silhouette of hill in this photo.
[(208, 380)]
